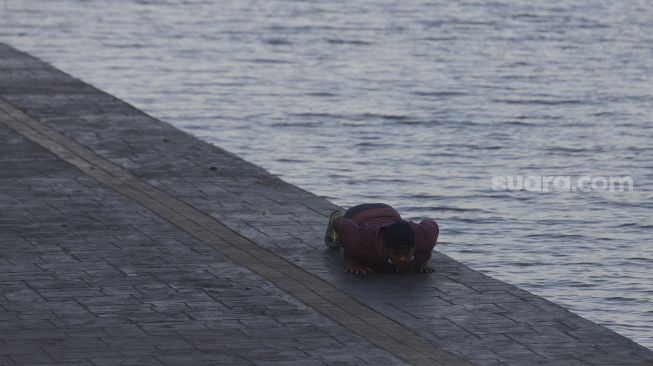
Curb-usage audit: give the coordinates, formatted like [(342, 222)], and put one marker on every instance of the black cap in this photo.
[(399, 236)]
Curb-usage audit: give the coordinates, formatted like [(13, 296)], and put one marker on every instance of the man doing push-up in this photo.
[(374, 237)]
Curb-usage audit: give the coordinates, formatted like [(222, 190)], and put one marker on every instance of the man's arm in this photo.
[(350, 239), (426, 233)]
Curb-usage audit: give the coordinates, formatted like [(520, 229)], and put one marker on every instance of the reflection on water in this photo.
[(415, 103)]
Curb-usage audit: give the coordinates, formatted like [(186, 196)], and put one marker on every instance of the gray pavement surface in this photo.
[(89, 277), (96, 273)]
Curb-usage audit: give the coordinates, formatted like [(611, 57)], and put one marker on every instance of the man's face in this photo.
[(400, 258)]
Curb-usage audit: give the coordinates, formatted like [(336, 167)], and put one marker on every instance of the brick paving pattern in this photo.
[(119, 283), (89, 277)]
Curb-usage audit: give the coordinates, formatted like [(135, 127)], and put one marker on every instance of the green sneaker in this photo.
[(331, 239)]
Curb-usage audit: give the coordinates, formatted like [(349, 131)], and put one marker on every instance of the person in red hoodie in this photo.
[(374, 237)]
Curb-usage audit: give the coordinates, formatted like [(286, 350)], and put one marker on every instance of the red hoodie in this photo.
[(359, 237)]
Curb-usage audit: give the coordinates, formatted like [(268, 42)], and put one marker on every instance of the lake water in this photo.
[(415, 103)]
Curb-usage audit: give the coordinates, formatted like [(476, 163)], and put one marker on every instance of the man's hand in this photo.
[(423, 268), (354, 267)]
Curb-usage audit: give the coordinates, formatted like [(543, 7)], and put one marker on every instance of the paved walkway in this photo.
[(125, 240)]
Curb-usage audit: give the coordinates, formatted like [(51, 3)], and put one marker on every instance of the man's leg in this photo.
[(352, 211), (331, 238)]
